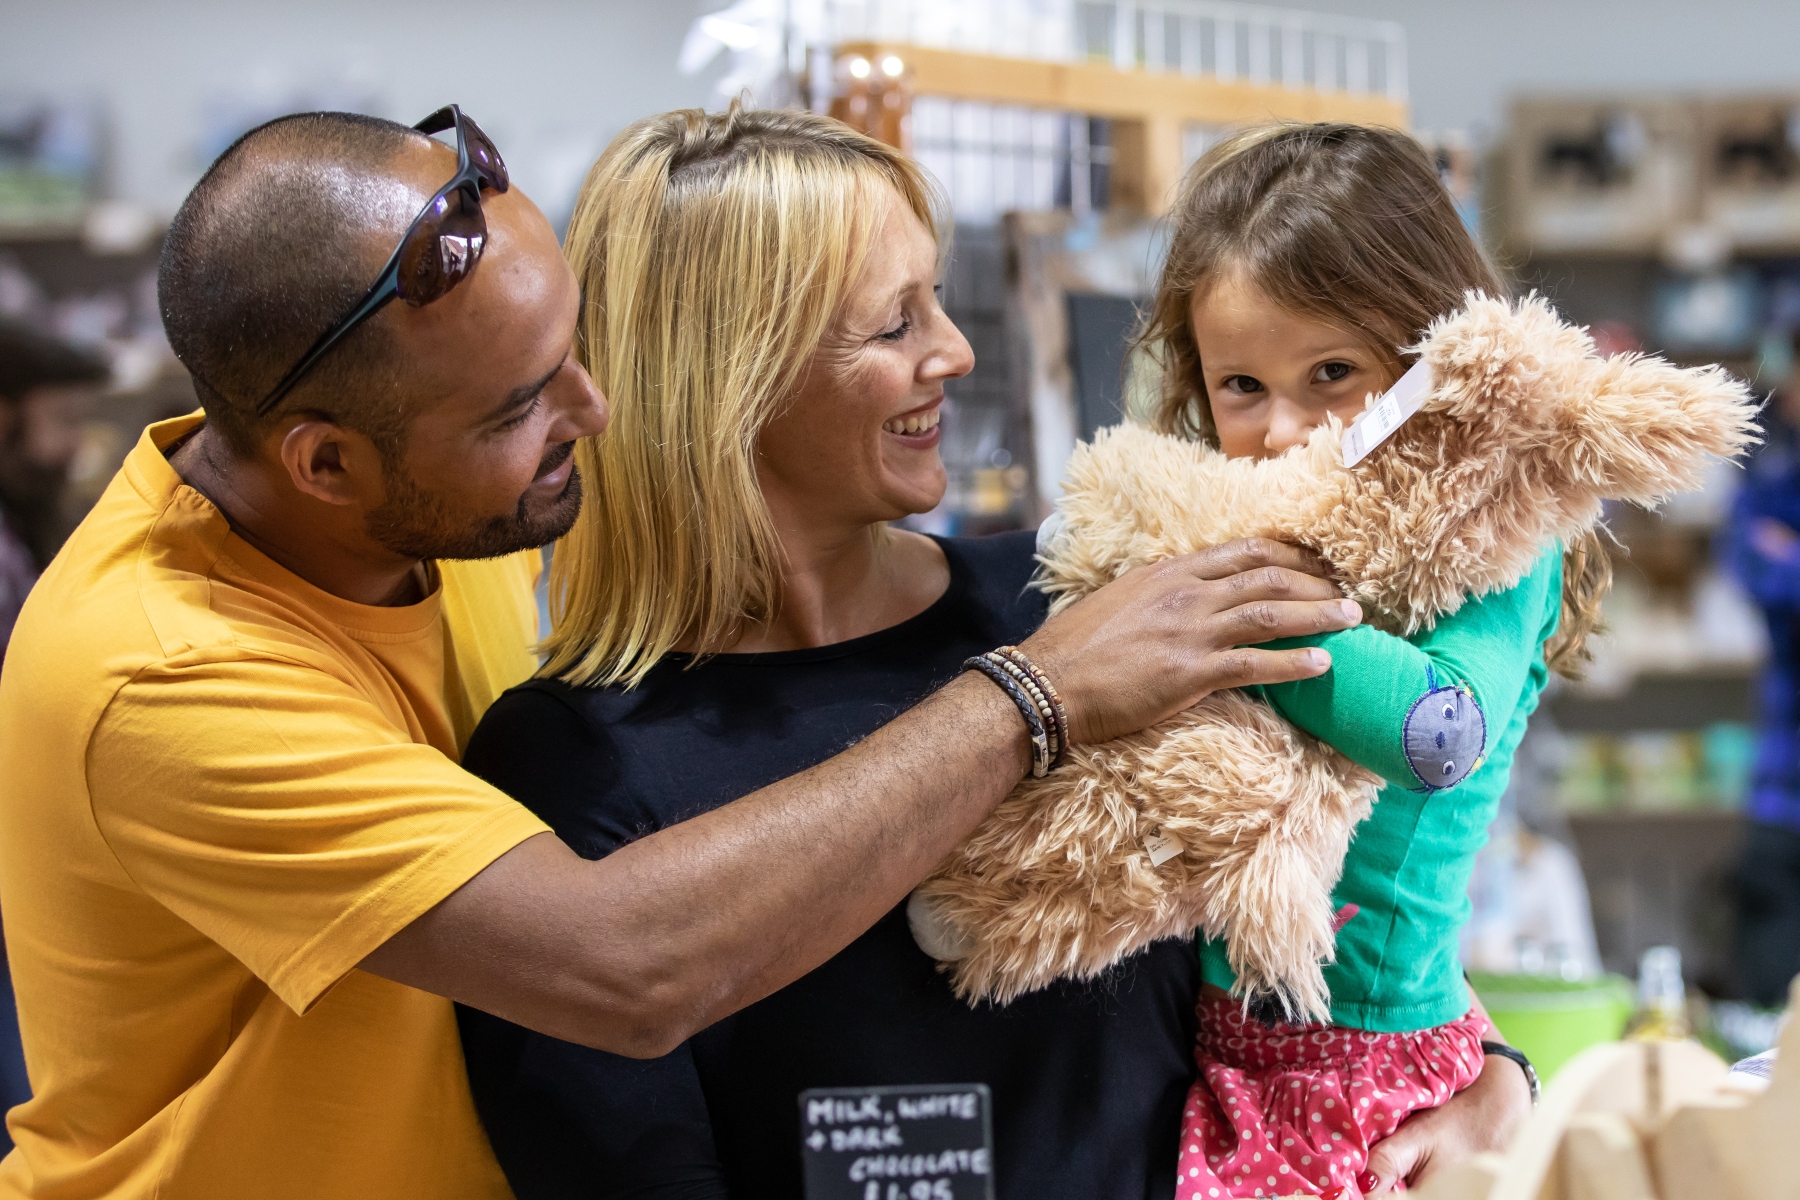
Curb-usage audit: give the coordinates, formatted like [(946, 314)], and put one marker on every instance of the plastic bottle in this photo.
[(1662, 1000)]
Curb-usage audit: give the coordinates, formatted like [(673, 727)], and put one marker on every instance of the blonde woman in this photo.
[(732, 610)]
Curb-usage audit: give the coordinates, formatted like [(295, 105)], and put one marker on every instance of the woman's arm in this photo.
[(1361, 707), (1481, 1117)]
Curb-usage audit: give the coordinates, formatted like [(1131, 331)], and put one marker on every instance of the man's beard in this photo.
[(414, 523)]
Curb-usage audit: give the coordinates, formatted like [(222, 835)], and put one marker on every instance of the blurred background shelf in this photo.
[(1660, 700), (1662, 879)]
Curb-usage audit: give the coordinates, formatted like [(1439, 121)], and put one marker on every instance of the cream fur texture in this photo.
[(1525, 432)]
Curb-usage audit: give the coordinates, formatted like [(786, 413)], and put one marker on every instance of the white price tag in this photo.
[(1378, 421), (1162, 848)]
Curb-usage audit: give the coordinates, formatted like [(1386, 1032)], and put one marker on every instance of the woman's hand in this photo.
[(1161, 637), (1483, 1116)]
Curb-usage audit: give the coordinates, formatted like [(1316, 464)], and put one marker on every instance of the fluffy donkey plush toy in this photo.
[(1225, 818)]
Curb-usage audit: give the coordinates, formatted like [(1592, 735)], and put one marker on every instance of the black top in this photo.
[(1088, 1080)]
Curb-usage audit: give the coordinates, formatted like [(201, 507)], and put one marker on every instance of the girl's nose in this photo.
[(1289, 425)]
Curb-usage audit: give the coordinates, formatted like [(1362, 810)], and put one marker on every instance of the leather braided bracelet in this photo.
[(1030, 690), (1041, 702)]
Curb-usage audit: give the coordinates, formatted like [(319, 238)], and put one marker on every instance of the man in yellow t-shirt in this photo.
[(241, 873)]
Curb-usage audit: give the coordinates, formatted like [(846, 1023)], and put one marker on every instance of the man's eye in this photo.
[(524, 415), (1242, 384), (1333, 372)]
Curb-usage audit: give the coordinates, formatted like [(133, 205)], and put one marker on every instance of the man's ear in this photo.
[(330, 463)]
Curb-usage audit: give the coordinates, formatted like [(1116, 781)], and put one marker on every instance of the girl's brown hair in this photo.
[(1344, 224)]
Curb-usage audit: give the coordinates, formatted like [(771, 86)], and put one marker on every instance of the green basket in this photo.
[(1552, 1020)]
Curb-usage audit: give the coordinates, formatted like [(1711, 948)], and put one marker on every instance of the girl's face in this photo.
[(858, 443), (1273, 376)]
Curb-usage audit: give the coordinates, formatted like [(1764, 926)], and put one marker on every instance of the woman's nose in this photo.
[(951, 357)]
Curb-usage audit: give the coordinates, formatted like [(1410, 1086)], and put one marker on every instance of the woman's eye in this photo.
[(1333, 372), (1242, 384), (897, 332)]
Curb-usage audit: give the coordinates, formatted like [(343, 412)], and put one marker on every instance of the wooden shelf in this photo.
[(1149, 109)]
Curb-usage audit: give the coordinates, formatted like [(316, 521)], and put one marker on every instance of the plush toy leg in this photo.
[(1075, 871), (933, 930)]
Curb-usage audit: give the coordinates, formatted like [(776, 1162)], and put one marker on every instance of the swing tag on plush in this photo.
[(1379, 421), (1161, 847)]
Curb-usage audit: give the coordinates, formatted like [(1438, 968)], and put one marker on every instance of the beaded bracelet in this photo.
[(1039, 700), (1034, 721), (1049, 689)]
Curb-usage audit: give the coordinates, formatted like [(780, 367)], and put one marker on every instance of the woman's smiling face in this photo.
[(1273, 376), (858, 442)]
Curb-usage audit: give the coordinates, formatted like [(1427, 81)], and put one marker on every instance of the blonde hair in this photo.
[(714, 253)]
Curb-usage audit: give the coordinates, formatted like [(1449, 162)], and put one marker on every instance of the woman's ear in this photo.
[(330, 463)]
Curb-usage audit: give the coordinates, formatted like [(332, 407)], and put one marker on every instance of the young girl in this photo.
[(1303, 258)]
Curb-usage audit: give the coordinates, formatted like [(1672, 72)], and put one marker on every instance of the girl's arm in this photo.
[(1423, 712)]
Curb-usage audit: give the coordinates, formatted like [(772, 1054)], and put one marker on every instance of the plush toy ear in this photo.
[(1638, 429), (1622, 428)]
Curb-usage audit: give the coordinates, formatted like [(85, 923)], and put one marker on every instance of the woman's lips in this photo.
[(914, 423)]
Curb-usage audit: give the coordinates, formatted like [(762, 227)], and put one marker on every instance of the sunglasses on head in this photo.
[(439, 250)]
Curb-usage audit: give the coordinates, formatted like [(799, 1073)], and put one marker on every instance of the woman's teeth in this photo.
[(917, 423)]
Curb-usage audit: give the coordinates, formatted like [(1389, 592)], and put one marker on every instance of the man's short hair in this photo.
[(272, 246), (30, 360)]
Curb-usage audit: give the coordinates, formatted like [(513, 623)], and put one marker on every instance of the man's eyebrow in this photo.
[(522, 395)]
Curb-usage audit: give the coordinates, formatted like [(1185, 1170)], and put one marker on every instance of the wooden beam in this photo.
[(1104, 91)]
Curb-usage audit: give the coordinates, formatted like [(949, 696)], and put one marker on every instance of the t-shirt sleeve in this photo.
[(285, 816), (1424, 712)]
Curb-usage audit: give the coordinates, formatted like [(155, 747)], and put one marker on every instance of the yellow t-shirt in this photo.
[(221, 788)]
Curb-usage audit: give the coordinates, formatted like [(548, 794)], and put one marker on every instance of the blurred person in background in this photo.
[(45, 389), (1763, 550)]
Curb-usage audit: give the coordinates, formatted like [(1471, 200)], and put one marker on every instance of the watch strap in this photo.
[(1502, 1050)]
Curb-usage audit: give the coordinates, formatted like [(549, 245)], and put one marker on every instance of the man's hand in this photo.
[(1161, 637)]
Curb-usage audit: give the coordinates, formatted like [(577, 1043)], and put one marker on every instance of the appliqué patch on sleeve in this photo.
[(1445, 734)]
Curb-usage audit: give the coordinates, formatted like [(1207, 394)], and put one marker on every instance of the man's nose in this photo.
[(586, 405)]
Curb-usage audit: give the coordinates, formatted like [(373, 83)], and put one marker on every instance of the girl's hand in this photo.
[(1483, 1116)]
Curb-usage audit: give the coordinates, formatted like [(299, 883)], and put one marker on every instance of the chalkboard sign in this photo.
[(912, 1142)]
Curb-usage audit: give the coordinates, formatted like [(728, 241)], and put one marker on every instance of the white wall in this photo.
[(550, 80), (1467, 57)]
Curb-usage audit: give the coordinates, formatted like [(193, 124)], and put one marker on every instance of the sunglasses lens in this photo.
[(443, 248), (485, 158)]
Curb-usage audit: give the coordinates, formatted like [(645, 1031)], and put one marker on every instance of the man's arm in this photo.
[(635, 951)]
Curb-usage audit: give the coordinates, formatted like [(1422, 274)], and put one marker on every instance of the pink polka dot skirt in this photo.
[(1295, 1109)]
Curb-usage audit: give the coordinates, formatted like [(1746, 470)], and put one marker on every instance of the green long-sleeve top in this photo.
[(1417, 711)]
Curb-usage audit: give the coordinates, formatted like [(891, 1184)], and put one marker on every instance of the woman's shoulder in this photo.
[(996, 571)]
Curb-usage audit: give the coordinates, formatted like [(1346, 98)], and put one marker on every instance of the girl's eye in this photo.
[(1333, 372), (1242, 384), (897, 332)]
